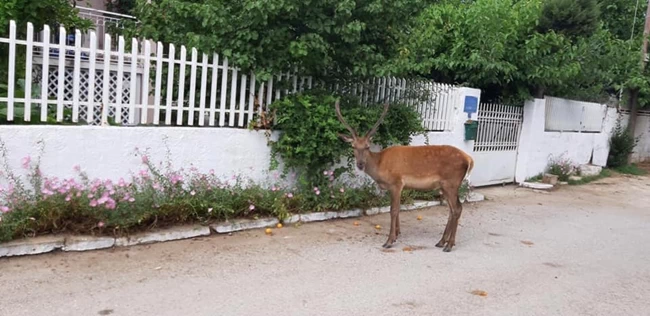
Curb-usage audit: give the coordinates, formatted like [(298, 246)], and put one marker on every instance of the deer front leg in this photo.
[(394, 218)]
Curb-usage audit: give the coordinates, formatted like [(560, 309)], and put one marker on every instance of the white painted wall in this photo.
[(108, 152), (538, 147)]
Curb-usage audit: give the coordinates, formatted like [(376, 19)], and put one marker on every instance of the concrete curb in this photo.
[(40, 245)]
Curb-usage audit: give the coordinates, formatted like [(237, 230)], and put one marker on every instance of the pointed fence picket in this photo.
[(135, 82)]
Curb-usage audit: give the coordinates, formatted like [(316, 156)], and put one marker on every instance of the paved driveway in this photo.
[(578, 251)]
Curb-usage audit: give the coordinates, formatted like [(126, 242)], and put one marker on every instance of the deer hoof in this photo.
[(446, 249), (441, 244)]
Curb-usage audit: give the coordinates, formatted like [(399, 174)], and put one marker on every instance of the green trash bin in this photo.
[(471, 129)]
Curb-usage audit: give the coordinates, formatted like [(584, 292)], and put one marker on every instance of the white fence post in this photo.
[(90, 109), (76, 76), (12, 71), (45, 76), (61, 74), (28, 72)]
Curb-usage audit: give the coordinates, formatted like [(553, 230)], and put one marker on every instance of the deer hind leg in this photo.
[(397, 230), (395, 195), (455, 209), (445, 234)]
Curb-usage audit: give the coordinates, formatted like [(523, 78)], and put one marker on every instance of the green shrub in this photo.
[(621, 145), (309, 143)]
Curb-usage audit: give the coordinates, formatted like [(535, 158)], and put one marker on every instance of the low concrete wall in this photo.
[(109, 152)]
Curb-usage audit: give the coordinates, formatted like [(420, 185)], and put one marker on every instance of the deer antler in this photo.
[(338, 114), (381, 119)]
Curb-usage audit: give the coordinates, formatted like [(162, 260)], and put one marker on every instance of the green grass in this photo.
[(536, 178), (631, 169), (584, 180)]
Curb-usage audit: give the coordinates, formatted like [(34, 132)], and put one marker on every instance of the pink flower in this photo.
[(131, 200), (25, 161), (192, 193), (290, 195), (274, 189), (325, 172), (145, 159), (252, 207), (212, 171), (78, 194), (4, 209), (315, 189), (93, 203), (100, 224), (110, 204), (121, 183), (317, 192), (342, 190), (76, 168), (68, 198), (144, 173), (210, 210)]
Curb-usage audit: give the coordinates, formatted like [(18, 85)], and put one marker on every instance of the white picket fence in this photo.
[(148, 84), (563, 115)]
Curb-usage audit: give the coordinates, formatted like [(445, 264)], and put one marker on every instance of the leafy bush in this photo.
[(561, 167), (621, 145), (309, 142)]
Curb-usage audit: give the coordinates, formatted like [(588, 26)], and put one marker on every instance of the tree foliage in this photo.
[(514, 50), (336, 37), (619, 17), (572, 18)]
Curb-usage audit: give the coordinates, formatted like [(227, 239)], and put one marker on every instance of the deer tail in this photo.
[(470, 166)]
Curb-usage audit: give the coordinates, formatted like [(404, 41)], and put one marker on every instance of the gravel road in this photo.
[(576, 251)]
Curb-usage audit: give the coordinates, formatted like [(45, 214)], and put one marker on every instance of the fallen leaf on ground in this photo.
[(378, 226), (356, 224), (388, 250), (526, 242), (157, 268), (479, 293), (279, 225), (407, 248), (268, 231), (419, 217)]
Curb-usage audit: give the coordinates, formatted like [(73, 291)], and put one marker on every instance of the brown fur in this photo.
[(413, 167)]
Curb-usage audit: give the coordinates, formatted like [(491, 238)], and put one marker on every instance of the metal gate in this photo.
[(497, 140)]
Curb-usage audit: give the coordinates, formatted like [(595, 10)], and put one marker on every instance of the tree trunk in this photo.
[(634, 106), (539, 92), (631, 123)]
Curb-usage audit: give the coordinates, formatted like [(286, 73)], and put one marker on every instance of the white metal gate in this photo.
[(495, 148)]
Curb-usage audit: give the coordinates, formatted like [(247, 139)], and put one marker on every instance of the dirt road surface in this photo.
[(577, 251)]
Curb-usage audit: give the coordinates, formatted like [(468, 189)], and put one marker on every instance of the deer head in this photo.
[(360, 144)]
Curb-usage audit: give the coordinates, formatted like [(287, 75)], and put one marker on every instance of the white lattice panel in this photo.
[(53, 82)]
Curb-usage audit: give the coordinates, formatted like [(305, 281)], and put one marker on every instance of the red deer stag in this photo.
[(412, 167)]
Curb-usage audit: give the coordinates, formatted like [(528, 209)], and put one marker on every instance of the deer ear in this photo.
[(346, 138)]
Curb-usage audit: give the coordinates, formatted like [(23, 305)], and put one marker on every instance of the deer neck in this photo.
[(372, 165)]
